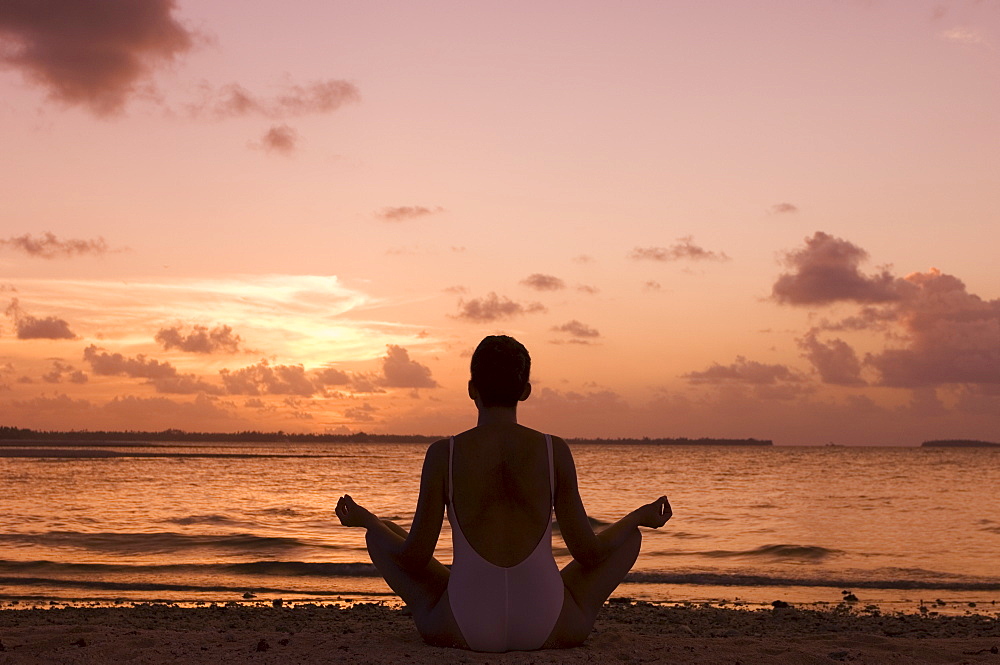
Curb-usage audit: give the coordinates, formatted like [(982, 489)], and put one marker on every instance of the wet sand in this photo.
[(625, 633)]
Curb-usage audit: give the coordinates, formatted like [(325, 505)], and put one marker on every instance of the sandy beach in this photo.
[(367, 633)]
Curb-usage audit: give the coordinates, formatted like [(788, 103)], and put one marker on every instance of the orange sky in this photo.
[(739, 219)]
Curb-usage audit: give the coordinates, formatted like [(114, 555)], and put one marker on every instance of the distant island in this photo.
[(176, 435), (959, 443)]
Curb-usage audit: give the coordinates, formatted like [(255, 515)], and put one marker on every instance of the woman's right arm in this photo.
[(574, 524)]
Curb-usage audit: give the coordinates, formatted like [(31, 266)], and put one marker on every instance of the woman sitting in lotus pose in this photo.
[(499, 482)]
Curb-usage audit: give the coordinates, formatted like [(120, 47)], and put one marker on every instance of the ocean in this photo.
[(199, 523)]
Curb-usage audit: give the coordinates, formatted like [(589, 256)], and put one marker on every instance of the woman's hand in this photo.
[(351, 514), (654, 515)]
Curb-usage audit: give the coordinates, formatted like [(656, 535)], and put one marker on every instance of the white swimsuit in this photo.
[(504, 608)]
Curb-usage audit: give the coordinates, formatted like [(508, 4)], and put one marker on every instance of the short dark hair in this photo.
[(500, 369)]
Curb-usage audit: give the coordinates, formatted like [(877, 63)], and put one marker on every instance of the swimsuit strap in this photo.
[(552, 471), (451, 473)]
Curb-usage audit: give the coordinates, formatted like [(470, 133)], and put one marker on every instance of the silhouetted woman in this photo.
[(499, 482)]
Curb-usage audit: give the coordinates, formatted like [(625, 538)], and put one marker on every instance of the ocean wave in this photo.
[(810, 553), (205, 519), (145, 586), (845, 582), (158, 542), (97, 453), (250, 568)]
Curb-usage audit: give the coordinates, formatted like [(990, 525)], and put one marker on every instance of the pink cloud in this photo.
[(826, 271), (541, 282), (264, 378), (836, 361), (94, 53), (31, 327), (952, 336), (48, 246), (59, 369), (782, 208), (295, 100), (281, 139), (163, 376), (744, 371), (683, 249), (578, 330), (200, 339), (399, 371), (403, 213), (493, 308)]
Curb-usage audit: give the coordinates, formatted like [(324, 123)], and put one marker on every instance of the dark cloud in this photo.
[(264, 378), (782, 208), (836, 361), (868, 318), (200, 340), (163, 376), (952, 336), (399, 371), (493, 308), (94, 53), (295, 100), (31, 327), (541, 282), (360, 414), (403, 213), (744, 371), (826, 271), (329, 376), (586, 288), (579, 330), (683, 249), (281, 139), (48, 246), (61, 368)]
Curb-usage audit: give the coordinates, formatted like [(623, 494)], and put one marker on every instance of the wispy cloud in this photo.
[(683, 249), (743, 371), (493, 308), (578, 330), (293, 100), (540, 282), (404, 213), (782, 208), (48, 246), (93, 53), (967, 36)]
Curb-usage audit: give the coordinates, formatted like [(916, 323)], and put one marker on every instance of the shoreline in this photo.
[(372, 633)]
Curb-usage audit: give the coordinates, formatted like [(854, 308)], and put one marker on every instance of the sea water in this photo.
[(211, 522)]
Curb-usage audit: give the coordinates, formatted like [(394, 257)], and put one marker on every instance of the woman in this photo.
[(499, 482)]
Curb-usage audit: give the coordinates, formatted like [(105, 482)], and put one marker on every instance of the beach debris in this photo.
[(277, 602), (80, 643), (262, 645), (780, 604), (283, 641), (838, 655), (249, 594), (993, 649), (849, 596), (940, 603), (2, 647)]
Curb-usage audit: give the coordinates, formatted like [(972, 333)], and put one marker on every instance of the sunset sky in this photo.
[(732, 219)]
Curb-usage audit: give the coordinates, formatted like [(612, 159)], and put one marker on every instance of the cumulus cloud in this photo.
[(360, 414), (48, 246), (836, 361), (541, 282), (330, 376), (163, 376), (399, 371), (744, 371), (952, 336), (782, 208), (577, 330), (281, 139), (826, 270), (404, 213), (264, 378), (31, 327), (61, 368), (683, 249), (493, 308), (294, 100), (200, 339), (93, 53)]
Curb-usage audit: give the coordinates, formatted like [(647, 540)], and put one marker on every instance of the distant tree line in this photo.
[(959, 443), (254, 436)]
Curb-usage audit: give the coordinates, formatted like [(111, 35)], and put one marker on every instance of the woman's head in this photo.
[(500, 368)]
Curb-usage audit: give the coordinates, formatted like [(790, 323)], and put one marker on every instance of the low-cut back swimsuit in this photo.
[(501, 608)]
